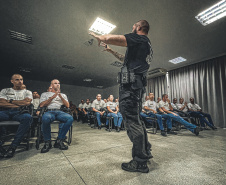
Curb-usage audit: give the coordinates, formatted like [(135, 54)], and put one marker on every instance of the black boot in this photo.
[(2, 152), (46, 147), (196, 131), (10, 152), (135, 166), (60, 144), (163, 133), (118, 129), (99, 127)]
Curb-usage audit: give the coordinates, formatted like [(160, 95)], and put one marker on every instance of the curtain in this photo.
[(157, 86), (206, 82)]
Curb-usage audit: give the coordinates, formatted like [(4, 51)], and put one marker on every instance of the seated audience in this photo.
[(11, 102), (196, 111), (98, 105), (85, 109), (80, 111), (54, 100), (157, 103), (114, 112), (182, 106), (174, 104), (74, 110), (36, 99), (165, 105), (151, 111)]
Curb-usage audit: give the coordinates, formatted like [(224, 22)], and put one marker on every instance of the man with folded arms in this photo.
[(54, 100), (11, 101)]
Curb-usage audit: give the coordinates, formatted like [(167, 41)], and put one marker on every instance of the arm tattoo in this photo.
[(118, 55)]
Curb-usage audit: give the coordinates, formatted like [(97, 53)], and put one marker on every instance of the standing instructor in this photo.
[(132, 81)]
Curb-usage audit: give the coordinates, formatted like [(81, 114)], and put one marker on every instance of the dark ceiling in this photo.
[(59, 30)]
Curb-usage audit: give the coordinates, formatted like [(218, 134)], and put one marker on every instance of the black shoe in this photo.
[(60, 144), (10, 152), (46, 147), (171, 132), (196, 131), (163, 133), (118, 129), (135, 166), (2, 152), (99, 127), (214, 128)]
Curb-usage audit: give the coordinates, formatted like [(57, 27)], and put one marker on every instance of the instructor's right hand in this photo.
[(95, 36)]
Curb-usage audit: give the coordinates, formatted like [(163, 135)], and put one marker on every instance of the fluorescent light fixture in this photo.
[(177, 60), (87, 80), (100, 87), (101, 26), (213, 13)]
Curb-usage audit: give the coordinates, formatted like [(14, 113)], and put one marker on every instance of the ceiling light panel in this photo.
[(101, 27), (213, 13), (177, 60)]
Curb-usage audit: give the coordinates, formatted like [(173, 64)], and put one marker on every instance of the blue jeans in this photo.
[(201, 116), (179, 119), (25, 123), (98, 118), (117, 119), (51, 116), (159, 119)]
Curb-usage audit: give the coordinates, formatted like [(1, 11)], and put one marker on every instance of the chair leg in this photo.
[(38, 136)]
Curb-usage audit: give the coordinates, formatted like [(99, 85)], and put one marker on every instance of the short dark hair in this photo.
[(164, 95), (144, 25)]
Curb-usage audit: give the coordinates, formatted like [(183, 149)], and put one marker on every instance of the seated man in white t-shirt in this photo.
[(54, 100), (165, 105), (98, 107), (11, 101), (196, 111), (113, 111)]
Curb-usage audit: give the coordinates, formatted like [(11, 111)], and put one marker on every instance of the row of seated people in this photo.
[(172, 112), (12, 103), (102, 109)]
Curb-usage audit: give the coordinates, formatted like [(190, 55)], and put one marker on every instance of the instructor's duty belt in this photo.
[(126, 76)]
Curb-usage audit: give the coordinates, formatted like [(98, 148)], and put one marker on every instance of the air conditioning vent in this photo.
[(67, 66), (20, 36), (26, 70), (156, 72), (89, 42), (117, 64)]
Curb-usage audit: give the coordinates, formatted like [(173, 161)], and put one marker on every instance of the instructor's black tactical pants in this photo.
[(129, 101)]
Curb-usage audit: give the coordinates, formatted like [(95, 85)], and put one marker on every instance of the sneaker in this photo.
[(196, 131), (135, 166), (171, 132), (60, 144), (118, 129), (46, 147), (163, 133), (10, 152)]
